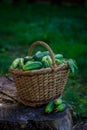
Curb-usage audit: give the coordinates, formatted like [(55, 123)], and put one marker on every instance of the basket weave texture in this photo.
[(37, 87)]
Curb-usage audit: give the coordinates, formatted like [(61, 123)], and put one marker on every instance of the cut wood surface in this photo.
[(11, 110)]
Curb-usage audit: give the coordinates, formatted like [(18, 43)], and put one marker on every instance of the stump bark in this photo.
[(16, 116)]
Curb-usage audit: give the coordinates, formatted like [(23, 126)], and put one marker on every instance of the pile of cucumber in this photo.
[(57, 105), (41, 60)]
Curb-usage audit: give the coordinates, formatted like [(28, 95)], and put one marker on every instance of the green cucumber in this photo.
[(58, 61), (15, 63), (58, 101), (45, 64), (47, 61), (31, 65), (46, 53), (21, 63), (28, 58), (50, 107), (39, 55), (60, 108), (58, 56)]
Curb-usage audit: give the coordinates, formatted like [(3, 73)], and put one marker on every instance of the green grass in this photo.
[(64, 28)]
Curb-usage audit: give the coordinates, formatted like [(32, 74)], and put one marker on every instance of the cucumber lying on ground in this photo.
[(56, 105), (32, 65), (60, 107), (58, 101), (50, 107)]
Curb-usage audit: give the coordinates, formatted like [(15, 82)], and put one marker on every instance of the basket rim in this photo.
[(40, 71)]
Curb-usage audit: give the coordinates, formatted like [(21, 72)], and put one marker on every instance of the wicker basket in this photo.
[(37, 87)]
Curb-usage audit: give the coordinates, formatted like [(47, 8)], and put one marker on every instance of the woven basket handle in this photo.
[(44, 45)]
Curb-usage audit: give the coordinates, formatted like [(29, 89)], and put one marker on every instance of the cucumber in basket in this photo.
[(28, 77), (21, 63), (28, 58), (47, 61), (15, 63), (42, 60), (58, 56), (39, 55), (32, 65)]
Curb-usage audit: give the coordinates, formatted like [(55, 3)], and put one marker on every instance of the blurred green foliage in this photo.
[(64, 28)]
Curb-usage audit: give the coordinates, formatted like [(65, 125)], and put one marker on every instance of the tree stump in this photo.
[(16, 116)]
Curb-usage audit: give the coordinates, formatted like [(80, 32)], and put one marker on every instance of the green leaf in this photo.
[(72, 64)]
